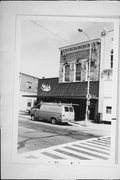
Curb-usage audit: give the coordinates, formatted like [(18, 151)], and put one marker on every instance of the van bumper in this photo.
[(67, 120)]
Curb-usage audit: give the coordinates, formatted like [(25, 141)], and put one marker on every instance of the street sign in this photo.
[(88, 96), (88, 102)]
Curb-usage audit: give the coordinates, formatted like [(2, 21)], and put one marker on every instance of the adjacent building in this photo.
[(28, 91), (106, 71)]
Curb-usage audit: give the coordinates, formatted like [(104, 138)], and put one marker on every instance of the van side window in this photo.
[(66, 109), (71, 109)]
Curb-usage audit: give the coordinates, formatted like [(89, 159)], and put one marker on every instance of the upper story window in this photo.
[(111, 59), (67, 72), (78, 72), (29, 85)]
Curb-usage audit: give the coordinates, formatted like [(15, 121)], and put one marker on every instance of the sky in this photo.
[(41, 40)]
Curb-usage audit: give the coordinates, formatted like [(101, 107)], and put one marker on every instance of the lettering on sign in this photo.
[(45, 87)]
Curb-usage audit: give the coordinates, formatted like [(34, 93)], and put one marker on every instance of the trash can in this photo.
[(98, 118)]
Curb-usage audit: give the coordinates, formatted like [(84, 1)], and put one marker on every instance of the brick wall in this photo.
[(71, 56)]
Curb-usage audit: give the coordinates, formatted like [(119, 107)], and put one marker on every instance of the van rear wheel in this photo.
[(53, 120), (33, 117)]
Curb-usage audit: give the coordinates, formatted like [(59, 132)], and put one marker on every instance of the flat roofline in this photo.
[(48, 78), (81, 43), (29, 75)]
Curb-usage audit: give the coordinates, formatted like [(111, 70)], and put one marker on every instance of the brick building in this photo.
[(28, 89), (71, 86)]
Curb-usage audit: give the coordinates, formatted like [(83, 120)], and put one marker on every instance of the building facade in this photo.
[(106, 70), (74, 61), (28, 91)]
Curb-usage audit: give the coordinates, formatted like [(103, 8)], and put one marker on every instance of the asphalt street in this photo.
[(34, 135)]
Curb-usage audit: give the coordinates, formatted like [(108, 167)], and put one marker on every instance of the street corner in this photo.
[(92, 149)]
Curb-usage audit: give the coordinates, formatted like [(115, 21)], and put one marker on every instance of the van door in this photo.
[(66, 112), (69, 112), (37, 111)]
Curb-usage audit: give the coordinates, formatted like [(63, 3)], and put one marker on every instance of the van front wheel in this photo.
[(53, 120)]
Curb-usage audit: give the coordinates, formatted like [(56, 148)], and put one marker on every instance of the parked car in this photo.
[(53, 112)]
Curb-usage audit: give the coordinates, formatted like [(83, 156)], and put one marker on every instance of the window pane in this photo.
[(67, 72), (29, 85), (71, 109), (29, 104), (78, 67), (78, 72)]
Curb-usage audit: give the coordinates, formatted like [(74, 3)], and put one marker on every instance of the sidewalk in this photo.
[(98, 129), (91, 124)]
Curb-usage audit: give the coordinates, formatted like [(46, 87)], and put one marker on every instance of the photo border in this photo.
[(19, 19)]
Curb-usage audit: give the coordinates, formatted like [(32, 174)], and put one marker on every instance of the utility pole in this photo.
[(88, 96)]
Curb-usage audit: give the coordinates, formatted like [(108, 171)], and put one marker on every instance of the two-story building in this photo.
[(71, 86), (28, 91)]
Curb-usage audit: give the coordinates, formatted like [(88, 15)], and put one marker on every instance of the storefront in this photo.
[(49, 90)]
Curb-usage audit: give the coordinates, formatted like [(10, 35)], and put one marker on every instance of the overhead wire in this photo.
[(50, 32)]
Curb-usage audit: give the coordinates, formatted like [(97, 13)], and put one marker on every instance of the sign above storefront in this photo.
[(45, 87)]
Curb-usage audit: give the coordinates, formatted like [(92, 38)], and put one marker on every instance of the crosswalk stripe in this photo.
[(97, 146), (104, 141), (52, 155), (86, 152), (92, 142), (61, 154), (75, 153), (103, 144), (71, 154), (91, 149)]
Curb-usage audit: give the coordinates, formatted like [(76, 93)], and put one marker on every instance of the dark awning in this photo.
[(66, 90)]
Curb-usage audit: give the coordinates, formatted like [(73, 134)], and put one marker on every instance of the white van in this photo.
[(53, 112)]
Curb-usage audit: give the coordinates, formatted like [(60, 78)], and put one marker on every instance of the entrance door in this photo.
[(80, 109)]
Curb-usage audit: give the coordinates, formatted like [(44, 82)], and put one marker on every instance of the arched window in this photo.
[(78, 72), (111, 59), (67, 72)]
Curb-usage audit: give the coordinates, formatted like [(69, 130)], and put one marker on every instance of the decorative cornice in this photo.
[(68, 50)]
